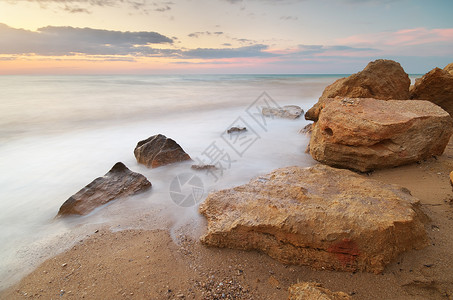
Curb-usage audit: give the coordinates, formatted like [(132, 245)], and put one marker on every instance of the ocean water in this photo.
[(58, 133)]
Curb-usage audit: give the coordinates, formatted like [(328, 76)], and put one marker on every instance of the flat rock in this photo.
[(320, 216), (381, 79), (118, 182), (286, 112), (436, 86), (159, 150), (369, 134), (314, 291)]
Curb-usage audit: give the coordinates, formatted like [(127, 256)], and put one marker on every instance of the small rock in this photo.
[(64, 265), (310, 290), (307, 129), (286, 112), (236, 129), (158, 150), (204, 167)]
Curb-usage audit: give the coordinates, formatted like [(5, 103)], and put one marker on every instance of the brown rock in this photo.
[(449, 68), (236, 129), (381, 79), (312, 290), (159, 150), (435, 86), (286, 112), (368, 134), (203, 167), (307, 129), (320, 216), (118, 182)]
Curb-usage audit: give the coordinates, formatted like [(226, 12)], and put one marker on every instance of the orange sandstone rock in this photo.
[(323, 217), (436, 86), (381, 79), (368, 134)]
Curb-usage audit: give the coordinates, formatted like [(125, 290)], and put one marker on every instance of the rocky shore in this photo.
[(330, 231)]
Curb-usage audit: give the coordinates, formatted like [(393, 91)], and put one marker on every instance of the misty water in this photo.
[(58, 133)]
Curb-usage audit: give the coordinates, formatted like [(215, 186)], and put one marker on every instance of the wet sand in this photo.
[(143, 264)]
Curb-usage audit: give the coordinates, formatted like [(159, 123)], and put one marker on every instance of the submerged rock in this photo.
[(118, 182), (320, 216), (159, 150), (312, 290), (236, 129), (307, 130), (381, 79), (204, 167), (368, 134), (436, 86), (287, 112)]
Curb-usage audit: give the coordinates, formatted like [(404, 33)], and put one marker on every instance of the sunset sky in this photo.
[(221, 36)]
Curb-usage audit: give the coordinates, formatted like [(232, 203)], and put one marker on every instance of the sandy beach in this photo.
[(142, 264)]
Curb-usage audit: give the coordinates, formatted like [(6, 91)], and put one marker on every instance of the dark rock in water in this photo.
[(287, 112), (236, 129), (159, 150), (307, 129), (381, 79), (435, 86), (118, 182), (204, 167)]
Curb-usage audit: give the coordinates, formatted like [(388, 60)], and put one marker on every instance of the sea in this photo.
[(58, 133)]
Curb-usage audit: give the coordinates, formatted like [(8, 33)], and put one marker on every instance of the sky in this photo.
[(222, 36)]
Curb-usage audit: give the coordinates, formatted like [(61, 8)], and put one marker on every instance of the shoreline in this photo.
[(149, 264)]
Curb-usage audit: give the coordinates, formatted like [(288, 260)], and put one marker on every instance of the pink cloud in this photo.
[(405, 37)]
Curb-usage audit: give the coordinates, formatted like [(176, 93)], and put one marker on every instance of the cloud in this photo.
[(83, 6), (217, 53), (289, 18), (404, 37), (200, 33), (55, 41)]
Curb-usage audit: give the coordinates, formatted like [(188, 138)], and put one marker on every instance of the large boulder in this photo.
[(159, 150), (436, 86), (368, 134), (320, 216), (118, 182), (381, 79), (314, 291)]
